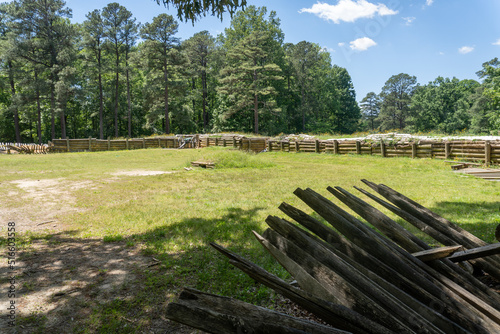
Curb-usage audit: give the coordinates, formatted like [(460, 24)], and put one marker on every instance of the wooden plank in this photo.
[(436, 253), (372, 242), (217, 314), (372, 284), (459, 236), (476, 253), (336, 315), (308, 271)]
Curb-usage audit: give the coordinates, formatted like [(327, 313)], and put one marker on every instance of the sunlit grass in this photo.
[(174, 216)]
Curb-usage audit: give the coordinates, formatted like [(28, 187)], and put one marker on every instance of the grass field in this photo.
[(172, 217)]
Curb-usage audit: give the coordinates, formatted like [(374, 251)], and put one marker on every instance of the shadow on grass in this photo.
[(72, 285), (480, 218)]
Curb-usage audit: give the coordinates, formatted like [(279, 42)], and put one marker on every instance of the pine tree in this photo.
[(93, 41), (248, 80), (161, 53)]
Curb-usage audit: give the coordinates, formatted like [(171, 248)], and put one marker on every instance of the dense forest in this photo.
[(443, 105), (112, 76)]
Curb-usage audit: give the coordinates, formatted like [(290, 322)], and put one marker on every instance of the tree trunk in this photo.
[(129, 103), (222, 315), (116, 91), (63, 123), (39, 110), (101, 99), (17, 129), (303, 110), (256, 113), (333, 314), (165, 76), (204, 95), (255, 105), (52, 111)]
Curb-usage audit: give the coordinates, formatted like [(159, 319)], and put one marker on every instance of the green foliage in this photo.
[(370, 106), (442, 105), (192, 10), (248, 81), (224, 158), (97, 80), (396, 99)]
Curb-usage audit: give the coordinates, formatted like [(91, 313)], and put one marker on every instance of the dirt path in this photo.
[(62, 281)]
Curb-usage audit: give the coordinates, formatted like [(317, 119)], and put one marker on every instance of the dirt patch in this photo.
[(41, 203), (140, 173), (63, 280)]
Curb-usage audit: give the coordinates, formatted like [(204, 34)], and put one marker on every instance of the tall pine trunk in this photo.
[(17, 129), (255, 103), (165, 76), (129, 102), (117, 90), (302, 103), (204, 87), (39, 110), (101, 98), (52, 111)]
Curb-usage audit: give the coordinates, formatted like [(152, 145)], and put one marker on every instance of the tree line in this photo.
[(112, 76), (444, 105)]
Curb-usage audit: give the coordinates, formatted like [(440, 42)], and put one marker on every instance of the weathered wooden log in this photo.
[(460, 236), (296, 261), (387, 226), (407, 240), (401, 261), (374, 264), (409, 218), (475, 253), (336, 315), (436, 253), (462, 277), (368, 282), (221, 315)]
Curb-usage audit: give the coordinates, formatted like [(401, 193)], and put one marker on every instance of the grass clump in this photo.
[(231, 158)]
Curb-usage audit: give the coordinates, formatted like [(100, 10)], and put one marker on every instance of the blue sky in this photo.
[(372, 39)]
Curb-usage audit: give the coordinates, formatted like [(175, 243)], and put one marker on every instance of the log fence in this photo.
[(484, 152), (24, 148)]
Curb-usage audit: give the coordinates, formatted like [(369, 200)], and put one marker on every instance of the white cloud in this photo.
[(409, 20), (348, 10), (466, 49), (441, 53), (497, 42), (341, 44), (362, 44), (429, 2)]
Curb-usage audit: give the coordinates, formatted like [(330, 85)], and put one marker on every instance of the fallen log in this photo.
[(436, 253), (442, 272), (393, 275), (336, 315), (475, 253), (462, 277), (491, 265), (386, 294), (403, 262), (221, 315), (295, 261)]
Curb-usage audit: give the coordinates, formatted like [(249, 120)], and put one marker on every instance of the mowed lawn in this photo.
[(173, 217)]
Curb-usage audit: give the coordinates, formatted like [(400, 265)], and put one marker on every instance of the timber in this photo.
[(221, 315), (355, 278), (337, 316), (436, 253), (475, 253)]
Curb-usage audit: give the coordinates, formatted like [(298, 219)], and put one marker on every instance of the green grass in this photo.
[(175, 216)]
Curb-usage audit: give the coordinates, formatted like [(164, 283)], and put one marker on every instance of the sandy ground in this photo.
[(61, 277)]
